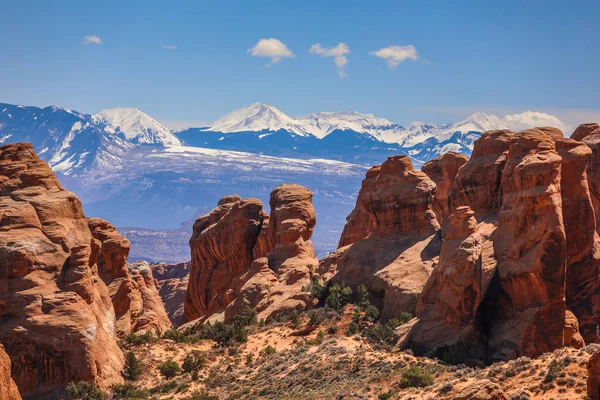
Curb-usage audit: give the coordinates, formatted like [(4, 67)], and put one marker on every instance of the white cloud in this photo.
[(530, 119), (169, 46), (338, 53), (394, 55), (92, 40), (271, 48)]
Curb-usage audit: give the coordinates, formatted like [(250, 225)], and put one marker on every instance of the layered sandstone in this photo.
[(58, 321), (8, 388), (243, 258), (398, 242), (442, 170), (135, 298), (449, 301)]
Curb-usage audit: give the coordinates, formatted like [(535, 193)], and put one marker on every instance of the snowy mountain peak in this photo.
[(256, 117), (323, 123), (134, 126), (478, 122)]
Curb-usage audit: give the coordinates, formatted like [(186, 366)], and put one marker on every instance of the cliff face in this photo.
[(58, 321), (530, 266), (391, 237), (243, 257)]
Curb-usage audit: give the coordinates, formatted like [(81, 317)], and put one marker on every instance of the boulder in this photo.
[(585, 130), (58, 321)]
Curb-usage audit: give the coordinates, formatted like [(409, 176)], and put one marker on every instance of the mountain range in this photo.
[(128, 168)]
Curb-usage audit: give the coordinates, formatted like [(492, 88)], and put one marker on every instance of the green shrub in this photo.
[(269, 350), (353, 329), (174, 335), (317, 290), (554, 370), (416, 376), (132, 369), (84, 391), (227, 333), (383, 334), (249, 359), (371, 313), (129, 391), (169, 369), (338, 296), (169, 386), (317, 340), (193, 361), (139, 339), (404, 318), (295, 319), (362, 296), (246, 317)]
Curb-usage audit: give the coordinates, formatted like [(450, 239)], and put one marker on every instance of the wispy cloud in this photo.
[(338, 53), (169, 47), (92, 39), (394, 55), (271, 48)]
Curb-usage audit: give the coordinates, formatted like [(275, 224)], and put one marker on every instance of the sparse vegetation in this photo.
[(194, 361), (84, 391), (554, 370), (338, 296), (416, 376), (134, 339), (129, 391), (169, 369)]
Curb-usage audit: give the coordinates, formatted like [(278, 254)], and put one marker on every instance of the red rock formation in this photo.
[(592, 140), (222, 247), (572, 337), (442, 171), (399, 246), (530, 245), (477, 183), (8, 388), (172, 282), (58, 322), (229, 270), (585, 130), (583, 243), (449, 301), (135, 298)]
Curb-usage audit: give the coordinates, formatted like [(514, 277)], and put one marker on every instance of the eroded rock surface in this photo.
[(241, 257), (172, 281), (398, 248), (58, 321)]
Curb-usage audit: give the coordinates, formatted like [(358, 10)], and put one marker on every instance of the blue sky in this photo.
[(502, 57)]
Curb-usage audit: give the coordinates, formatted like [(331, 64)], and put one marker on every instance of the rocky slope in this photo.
[(172, 282)]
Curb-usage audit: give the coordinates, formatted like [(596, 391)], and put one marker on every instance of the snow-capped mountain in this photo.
[(345, 136), (134, 126), (257, 117)]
